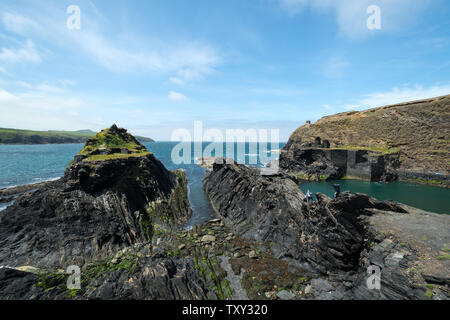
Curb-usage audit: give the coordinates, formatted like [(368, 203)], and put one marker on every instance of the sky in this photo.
[(155, 66)]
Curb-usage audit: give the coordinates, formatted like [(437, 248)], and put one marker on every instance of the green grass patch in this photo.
[(429, 294), (101, 157), (94, 270), (379, 149)]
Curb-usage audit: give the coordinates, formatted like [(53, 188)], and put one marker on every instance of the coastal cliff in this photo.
[(334, 241), (106, 201), (407, 141), (101, 216)]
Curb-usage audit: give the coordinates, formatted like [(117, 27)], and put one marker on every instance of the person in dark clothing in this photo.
[(337, 189)]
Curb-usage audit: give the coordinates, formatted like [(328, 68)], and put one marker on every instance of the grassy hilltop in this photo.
[(112, 143), (418, 130)]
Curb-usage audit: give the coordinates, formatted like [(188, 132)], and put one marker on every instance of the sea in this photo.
[(27, 164)]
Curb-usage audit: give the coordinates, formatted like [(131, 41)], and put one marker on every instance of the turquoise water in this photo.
[(25, 164), (425, 197)]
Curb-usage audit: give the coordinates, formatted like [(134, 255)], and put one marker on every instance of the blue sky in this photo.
[(154, 66)]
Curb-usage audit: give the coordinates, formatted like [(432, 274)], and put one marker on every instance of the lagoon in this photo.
[(428, 198)]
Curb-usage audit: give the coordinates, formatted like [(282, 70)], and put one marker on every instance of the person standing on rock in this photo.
[(337, 189), (309, 196)]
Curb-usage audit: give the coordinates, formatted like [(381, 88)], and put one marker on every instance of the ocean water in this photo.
[(429, 198), (25, 164)]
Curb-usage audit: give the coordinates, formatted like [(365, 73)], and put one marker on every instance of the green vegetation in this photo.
[(96, 269), (112, 138), (210, 270), (101, 157), (429, 294), (444, 257), (17, 136), (430, 182), (379, 149), (50, 281)]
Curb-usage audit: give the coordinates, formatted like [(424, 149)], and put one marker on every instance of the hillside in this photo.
[(17, 136), (419, 131)]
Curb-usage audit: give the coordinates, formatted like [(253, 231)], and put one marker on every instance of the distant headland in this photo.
[(18, 136)]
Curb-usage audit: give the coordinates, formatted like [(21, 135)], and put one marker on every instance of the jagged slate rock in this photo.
[(272, 210), (285, 295), (436, 280), (96, 209), (310, 163), (329, 235), (321, 285), (338, 238), (322, 198), (153, 278), (15, 285)]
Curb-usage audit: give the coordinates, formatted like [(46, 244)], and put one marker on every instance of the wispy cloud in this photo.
[(351, 15), (184, 61), (335, 67), (177, 97), (18, 23), (188, 74), (398, 95), (43, 110), (26, 53)]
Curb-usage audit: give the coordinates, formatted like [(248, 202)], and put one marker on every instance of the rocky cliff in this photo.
[(415, 136), (336, 240), (111, 198)]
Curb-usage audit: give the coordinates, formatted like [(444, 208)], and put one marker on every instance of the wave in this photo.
[(37, 180)]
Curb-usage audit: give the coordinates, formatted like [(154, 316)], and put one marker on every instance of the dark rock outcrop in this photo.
[(99, 207), (338, 239), (151, 278), (316, 163)]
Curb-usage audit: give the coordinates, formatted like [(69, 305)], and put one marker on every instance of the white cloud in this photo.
[(26, 53), (119, 53), (398, 95), (43, 110), (175, 96), (189, 74), (18, 23), (335, 67), (351, 15), (58, 86)]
